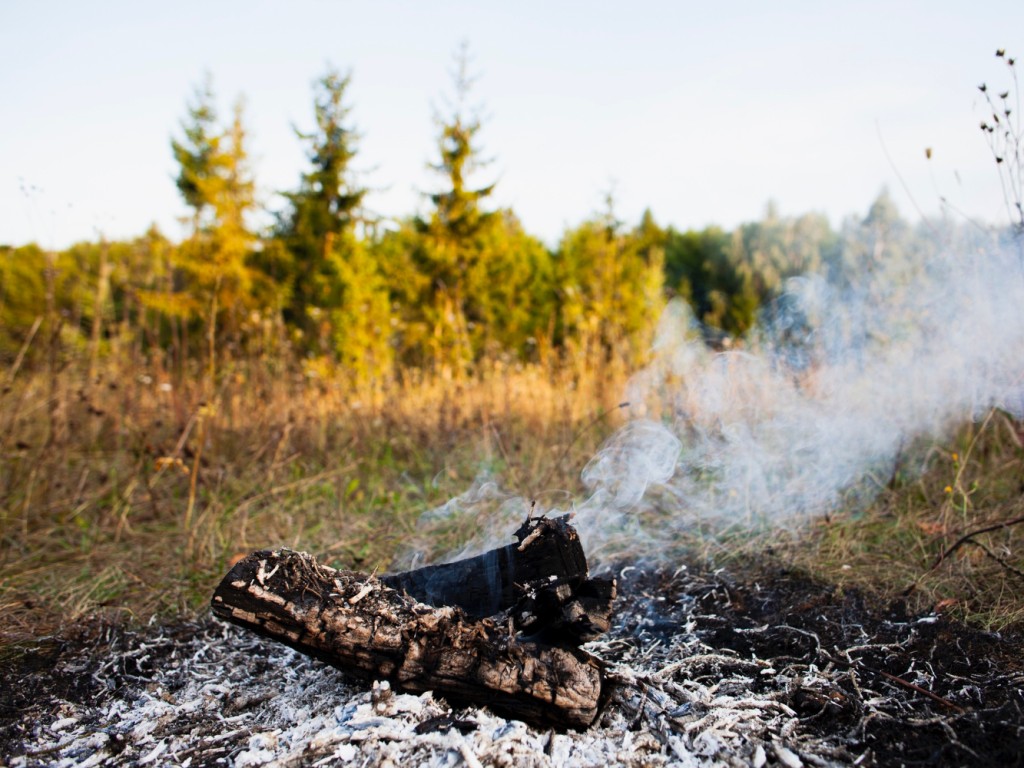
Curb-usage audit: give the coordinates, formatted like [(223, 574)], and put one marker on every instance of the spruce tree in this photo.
[(216, 182), (320, 222), (196, 152), (452, 253)]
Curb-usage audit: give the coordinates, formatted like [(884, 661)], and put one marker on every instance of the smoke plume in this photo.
[(852, 371)]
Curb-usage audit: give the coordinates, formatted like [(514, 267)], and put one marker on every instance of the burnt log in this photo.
[(366, 628), (487, 584), (540, 581)]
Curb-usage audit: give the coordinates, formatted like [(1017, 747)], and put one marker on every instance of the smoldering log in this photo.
[(486, 584), (540, 580), (366, 628)]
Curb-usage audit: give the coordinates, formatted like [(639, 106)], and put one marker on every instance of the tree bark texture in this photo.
[(365, 627)]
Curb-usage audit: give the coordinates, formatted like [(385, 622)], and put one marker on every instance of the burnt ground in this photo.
[(703, 669), (898, 689)]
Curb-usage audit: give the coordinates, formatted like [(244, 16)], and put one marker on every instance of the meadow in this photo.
[(324, 382), (128, 489), (131, 490)]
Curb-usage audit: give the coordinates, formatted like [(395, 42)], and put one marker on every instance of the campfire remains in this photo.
[(500, 629), (700, 668)]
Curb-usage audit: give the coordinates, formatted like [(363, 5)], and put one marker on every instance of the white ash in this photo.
[(219, 695)]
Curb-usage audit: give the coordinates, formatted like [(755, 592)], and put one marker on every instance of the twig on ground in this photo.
[(917, 689), (859, 665), (970, 535)]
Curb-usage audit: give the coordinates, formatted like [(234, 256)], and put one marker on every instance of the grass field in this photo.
[(130, 491)]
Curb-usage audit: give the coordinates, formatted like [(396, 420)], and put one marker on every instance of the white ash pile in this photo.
[(693, 682)]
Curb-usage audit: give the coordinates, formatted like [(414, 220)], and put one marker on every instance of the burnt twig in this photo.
[(916, 688), (859, 665)]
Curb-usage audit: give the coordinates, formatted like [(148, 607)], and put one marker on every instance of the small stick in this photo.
[(918, 689), (968, 536), (852, 664)]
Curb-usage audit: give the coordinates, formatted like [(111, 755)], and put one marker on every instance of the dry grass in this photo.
[(910, 544), (131, 492)]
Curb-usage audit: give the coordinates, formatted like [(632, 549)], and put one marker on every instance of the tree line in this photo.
[(328, 281)]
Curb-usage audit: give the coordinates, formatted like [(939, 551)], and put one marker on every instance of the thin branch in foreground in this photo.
[(970, 535)]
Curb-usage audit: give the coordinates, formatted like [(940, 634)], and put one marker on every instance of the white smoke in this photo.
[(839, 387), (820, 407)]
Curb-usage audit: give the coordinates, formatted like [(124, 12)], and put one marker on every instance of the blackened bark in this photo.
[(540, 581), (545, 549), (366, 628)]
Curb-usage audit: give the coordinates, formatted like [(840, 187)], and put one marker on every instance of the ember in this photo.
[(703, 670)]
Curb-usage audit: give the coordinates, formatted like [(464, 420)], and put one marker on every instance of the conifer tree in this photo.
[(196, 152), (320, 223), (452, 253), (216, 182)]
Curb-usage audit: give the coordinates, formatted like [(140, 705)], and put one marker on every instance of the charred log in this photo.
[(564, 611), (540, 581), (485, 585), (369, 629)]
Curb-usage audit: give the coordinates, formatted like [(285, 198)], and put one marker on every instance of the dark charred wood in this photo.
[(490, 583), (540, 581), (565, 611), (363, 626)]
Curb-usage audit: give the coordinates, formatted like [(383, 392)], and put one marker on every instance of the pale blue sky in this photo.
[(701, 111)]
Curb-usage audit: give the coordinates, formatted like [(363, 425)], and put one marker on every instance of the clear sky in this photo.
[(702, 111)]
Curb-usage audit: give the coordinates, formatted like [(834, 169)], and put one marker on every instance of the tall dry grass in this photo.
[(131, 489)]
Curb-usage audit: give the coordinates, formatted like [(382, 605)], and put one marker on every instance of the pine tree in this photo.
[(320, 223), (452, 253)]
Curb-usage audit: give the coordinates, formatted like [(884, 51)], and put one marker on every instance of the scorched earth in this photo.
[(702, 669)]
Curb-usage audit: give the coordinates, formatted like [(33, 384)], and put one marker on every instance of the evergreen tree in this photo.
[(452, 250), (196, 153), (319, 227), (216, 182)]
